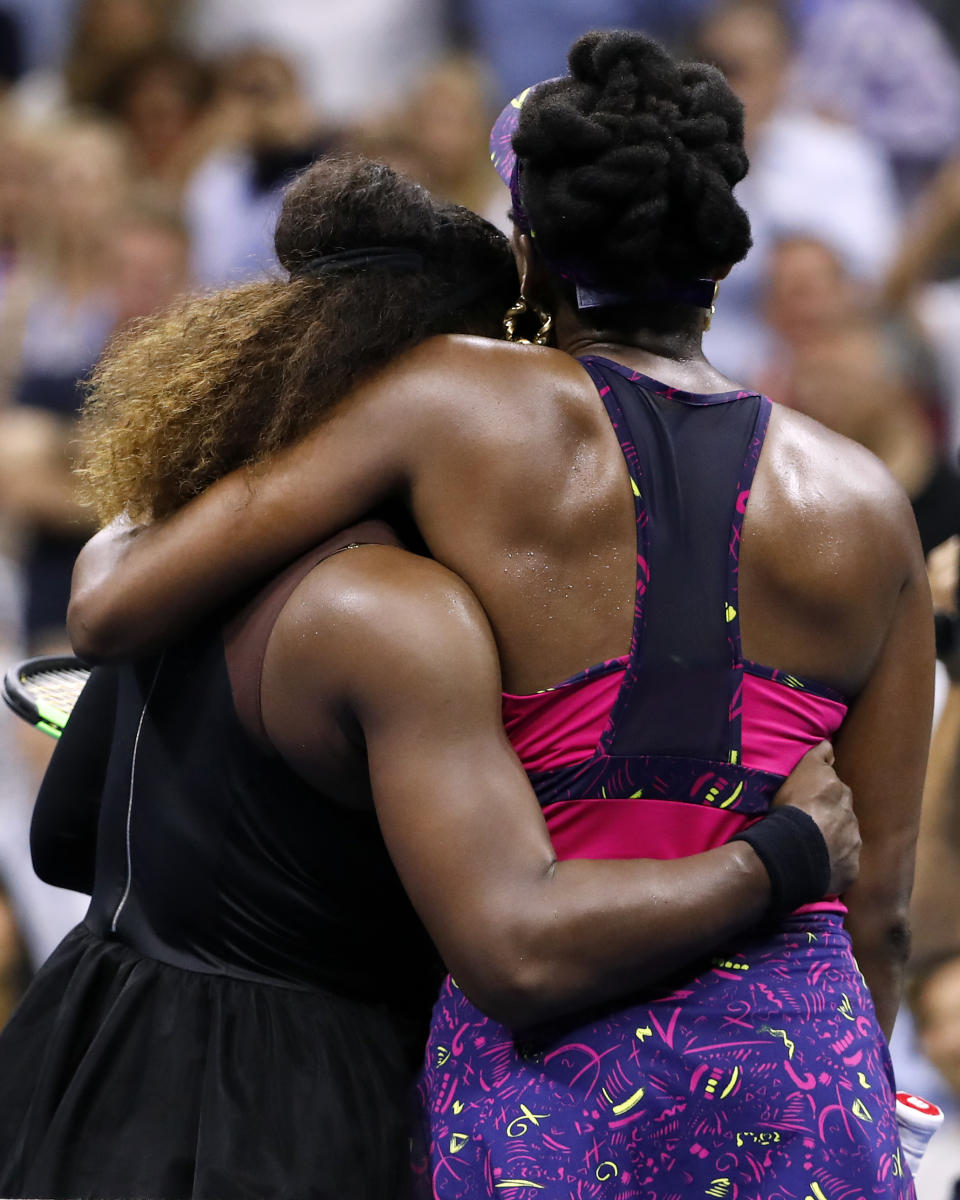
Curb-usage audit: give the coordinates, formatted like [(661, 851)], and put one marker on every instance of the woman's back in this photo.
[(551, 552)]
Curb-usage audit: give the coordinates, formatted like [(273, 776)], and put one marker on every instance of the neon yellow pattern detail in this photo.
[(458, 1141), (643, 1032), (780, 1033), (861, 1112), (733, 795), (505, 1183), (630, 1102), (637, 794), (636, 490), (607, 1170), (863, 1081), (458, 1107), (719, 1187), (442, 1055), (731, 613), (759, 1137), (818, 1193), (734, 756), (731, 1085), (521, 1122), (517, 101), (846, 1008)]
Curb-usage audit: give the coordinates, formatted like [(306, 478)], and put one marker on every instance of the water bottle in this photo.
[(918, 1121)]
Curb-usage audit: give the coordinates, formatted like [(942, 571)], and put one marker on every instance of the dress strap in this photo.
[(691, 461), (247, 635)]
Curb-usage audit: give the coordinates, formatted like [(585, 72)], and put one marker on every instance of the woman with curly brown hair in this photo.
[(712, 580), (244, 1005)]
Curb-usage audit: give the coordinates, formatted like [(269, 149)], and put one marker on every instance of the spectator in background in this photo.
[(886, 67), (924, 284), (159, 99), (440, 137), (15, 966), (807, 175), (106, 35), (18, 215), (357, 58), (58, 311), (11, 52), (44, 29), (150, 262), (530, 40), (934, 998), (268, 131), (835, 358)]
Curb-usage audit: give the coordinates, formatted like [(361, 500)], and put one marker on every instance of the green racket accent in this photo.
[(51, 720), (43, 691)]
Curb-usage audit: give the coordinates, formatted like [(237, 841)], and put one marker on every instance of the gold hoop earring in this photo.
[(520, 309), (713, 307)]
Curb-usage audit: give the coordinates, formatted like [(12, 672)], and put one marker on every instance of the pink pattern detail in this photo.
[(562, 726), (781, 723)]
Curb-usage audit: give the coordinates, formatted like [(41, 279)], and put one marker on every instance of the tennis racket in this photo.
[(43, 691)]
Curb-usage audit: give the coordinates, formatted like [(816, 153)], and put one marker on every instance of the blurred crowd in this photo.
[(144, 146)]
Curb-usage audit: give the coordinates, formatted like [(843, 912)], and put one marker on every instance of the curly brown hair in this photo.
[(223, 380)]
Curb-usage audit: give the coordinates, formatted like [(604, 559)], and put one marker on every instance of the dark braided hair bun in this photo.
[(628, 165)]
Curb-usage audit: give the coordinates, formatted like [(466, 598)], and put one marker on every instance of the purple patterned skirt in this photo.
[(765, 1075)]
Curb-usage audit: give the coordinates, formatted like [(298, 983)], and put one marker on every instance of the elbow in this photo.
[(515, 976), (898, 939), (519, 995), (881, 932), (95, 634)]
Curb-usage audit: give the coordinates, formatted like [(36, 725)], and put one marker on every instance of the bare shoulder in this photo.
[(465, 374), (836, 492), (378, 618), (829, 547)]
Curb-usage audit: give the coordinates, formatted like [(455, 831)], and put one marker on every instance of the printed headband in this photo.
[(699, 292)]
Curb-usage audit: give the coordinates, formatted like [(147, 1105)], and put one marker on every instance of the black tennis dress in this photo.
[(243, 1007)]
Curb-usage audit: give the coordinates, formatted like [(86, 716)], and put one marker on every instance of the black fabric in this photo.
[(790, 845), (145, 1080), (246, 1001), (63, 832), (688, 456)]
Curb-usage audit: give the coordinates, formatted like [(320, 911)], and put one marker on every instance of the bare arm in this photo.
[(136, 588), (882, 753), (526, 936)]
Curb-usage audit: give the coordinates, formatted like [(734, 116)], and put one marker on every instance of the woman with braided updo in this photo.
[(688, 587)]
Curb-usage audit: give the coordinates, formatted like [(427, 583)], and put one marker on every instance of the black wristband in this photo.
[(790, 845)]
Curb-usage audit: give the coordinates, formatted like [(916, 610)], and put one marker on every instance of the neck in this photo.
[(676, 358)]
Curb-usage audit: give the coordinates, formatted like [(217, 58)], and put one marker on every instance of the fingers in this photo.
[(823, 751)]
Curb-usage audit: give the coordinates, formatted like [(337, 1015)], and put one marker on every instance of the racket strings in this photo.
[(56, 689)]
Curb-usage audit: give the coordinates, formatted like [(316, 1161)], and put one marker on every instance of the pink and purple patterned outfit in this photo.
[(761, 1072)]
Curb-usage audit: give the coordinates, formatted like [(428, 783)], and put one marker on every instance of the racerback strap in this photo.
[(691, 460)]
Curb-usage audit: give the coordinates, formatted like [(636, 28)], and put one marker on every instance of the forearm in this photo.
[(590, 931), (880, 934), (135, 593), (137, 587)]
